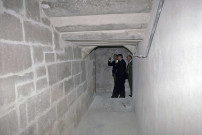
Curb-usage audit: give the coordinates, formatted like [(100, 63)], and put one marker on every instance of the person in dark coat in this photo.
[(120, 78), (113, 64), (130, 74)]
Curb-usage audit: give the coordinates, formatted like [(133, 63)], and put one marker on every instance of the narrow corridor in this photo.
[(108, 116)]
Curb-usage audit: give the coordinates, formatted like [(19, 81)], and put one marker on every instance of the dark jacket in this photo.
[(113, 64), (121, 69)]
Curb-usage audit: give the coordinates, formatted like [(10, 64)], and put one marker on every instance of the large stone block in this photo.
[(16, 5), (77, 53), (49, 57), (56, 40), (25, 90), (32, 9), (31, 130), (11, 27), (45, 122), (46, 21), (14, 58), (66, 54), (68, 85), (62, 107), (37, 34), (9, 124), (23, 116), (58, 72), (41, 84), (38, 104), (40, 71), (76, 67), (83, 77), (77, 80), (7, 87), (71, 97), (56, 92)]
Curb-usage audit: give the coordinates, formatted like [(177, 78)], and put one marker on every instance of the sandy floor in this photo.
[(108, 116)]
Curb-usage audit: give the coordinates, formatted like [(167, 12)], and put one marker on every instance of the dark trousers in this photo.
[(119, 88)]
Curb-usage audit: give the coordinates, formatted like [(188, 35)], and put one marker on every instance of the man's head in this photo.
[(115, 56), (129, 58), (120, 57)]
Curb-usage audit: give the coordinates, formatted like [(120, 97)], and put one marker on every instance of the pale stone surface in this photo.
[(168, 84), (68, 85), (31, 130), (40, 71), (25, 90), (49, 57), (41, 84), (71, 97), (16, 5), (14, 58), (7, 87), (12, 31), (56, 92), (37, 34), (58, 72), (62, 107), (56, 40), (66, 54), (46, 21), (32, 9), (9, 124), (94, 7), (38, 104), (76, 67), (77, 80), (77, 53), (23, 116), (46, 122)]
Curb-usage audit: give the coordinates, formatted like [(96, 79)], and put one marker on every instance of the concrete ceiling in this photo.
[(93, 23)]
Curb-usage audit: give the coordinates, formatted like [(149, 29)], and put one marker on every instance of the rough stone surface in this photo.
[(68, 85), (76, 67), (77, 53), (56, 92), (7, 88), (40, 71), (46, 21), (71, 97), (56, 40), (94, 7), (62, 107), (15, 5), (23, 116), (37, 34), (32, 9), (77, 80), (38, 104), (31, 130), (58, 72), (14, 58), (41, 84), (25, 90), (49, 57), (67, 54), (46, 122), (13, 31), (9, 124)]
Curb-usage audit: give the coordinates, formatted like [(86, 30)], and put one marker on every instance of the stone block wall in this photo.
[(44, 88)]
